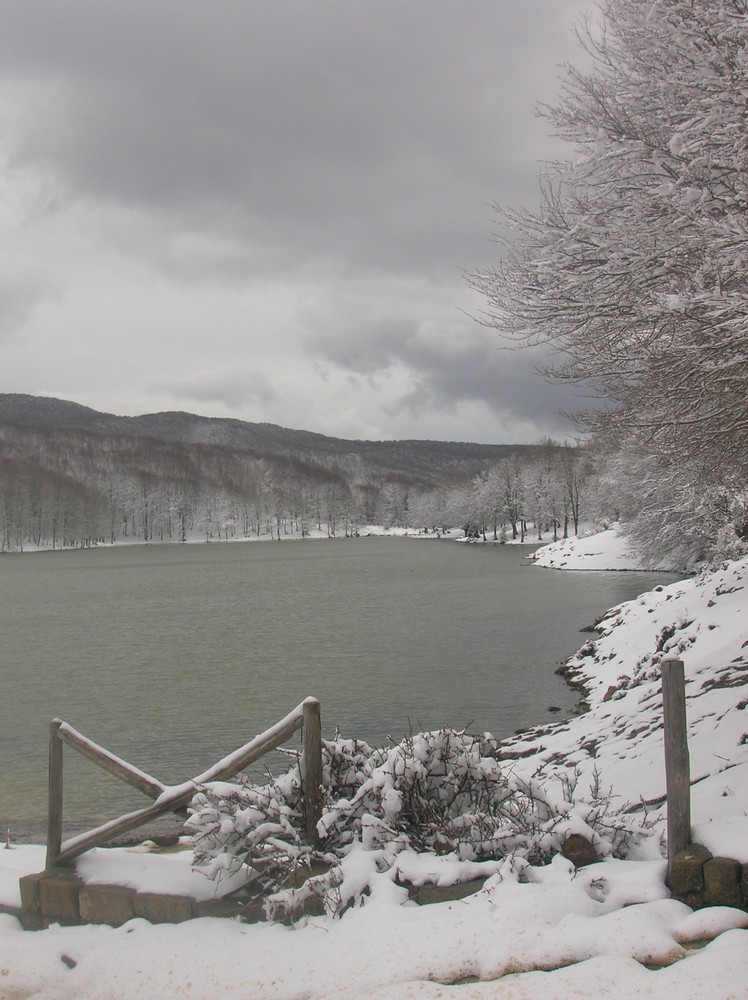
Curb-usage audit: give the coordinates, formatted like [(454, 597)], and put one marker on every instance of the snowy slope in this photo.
[(608, 549), (704, 621)]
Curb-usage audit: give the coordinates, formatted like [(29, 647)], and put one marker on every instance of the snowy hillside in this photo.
[(601, 550), (703, 620)]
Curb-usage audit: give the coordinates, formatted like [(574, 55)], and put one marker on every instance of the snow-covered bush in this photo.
[(443, 793)]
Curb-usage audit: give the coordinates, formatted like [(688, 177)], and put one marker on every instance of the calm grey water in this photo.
[(173, 656)]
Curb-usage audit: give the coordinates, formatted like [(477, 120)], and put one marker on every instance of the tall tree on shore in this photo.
[(633, 270)]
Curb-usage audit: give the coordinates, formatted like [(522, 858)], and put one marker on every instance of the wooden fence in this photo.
[(174, 798), (677, 760), (306, 716)]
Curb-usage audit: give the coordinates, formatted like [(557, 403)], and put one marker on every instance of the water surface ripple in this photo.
[(171, 656)]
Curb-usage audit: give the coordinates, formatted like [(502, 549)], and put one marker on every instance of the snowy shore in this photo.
[(608, 930)]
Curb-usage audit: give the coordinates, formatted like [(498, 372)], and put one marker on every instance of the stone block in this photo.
[(249, 911), (579, 850), (313, 907), (106, 904), (29, 886), (310, 906), (33, 921), (162, 909), (217, 908), (428, 894), (302, 874), (58, 896), (722, 882), (687, 874), (31, 909)]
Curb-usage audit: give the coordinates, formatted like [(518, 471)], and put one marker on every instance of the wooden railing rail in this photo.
[(306, 716), (174, 798), (108, 761)]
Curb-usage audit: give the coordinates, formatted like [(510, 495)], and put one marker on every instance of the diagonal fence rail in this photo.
[(174, 798), (306, 716)]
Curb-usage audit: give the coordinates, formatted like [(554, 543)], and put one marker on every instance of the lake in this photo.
[(171, 656)]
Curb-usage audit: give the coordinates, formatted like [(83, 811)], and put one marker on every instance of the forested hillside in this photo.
[(72, 476), (433, 459)]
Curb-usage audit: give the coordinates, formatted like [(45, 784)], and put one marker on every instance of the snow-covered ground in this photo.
[(609, 930), (608, 549)]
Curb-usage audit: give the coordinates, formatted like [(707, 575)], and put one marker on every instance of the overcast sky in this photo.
[(263, 209)]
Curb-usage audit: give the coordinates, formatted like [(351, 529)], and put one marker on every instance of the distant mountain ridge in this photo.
[(436, 460)]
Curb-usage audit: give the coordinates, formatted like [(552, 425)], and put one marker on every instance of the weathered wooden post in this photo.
[(312, 771), (677, 764), (54, 800)]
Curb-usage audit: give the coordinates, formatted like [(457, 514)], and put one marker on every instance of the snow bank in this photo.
[(596, 927), (703, 621), (601, 550)]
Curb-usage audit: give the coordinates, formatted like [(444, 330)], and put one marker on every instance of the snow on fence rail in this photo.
[(174, 798)]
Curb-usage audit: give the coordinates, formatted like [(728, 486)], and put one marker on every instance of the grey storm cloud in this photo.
[(498, 378), (361, 127), (335, 152), (459, 362)]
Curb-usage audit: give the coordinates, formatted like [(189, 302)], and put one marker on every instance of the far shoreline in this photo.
[(369, 531)]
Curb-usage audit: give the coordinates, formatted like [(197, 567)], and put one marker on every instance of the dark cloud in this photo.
[(296, 185), (498, 378), (451, 363), (371, 129)]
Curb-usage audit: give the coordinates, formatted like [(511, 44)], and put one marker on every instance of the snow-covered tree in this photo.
[(633, 270)]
